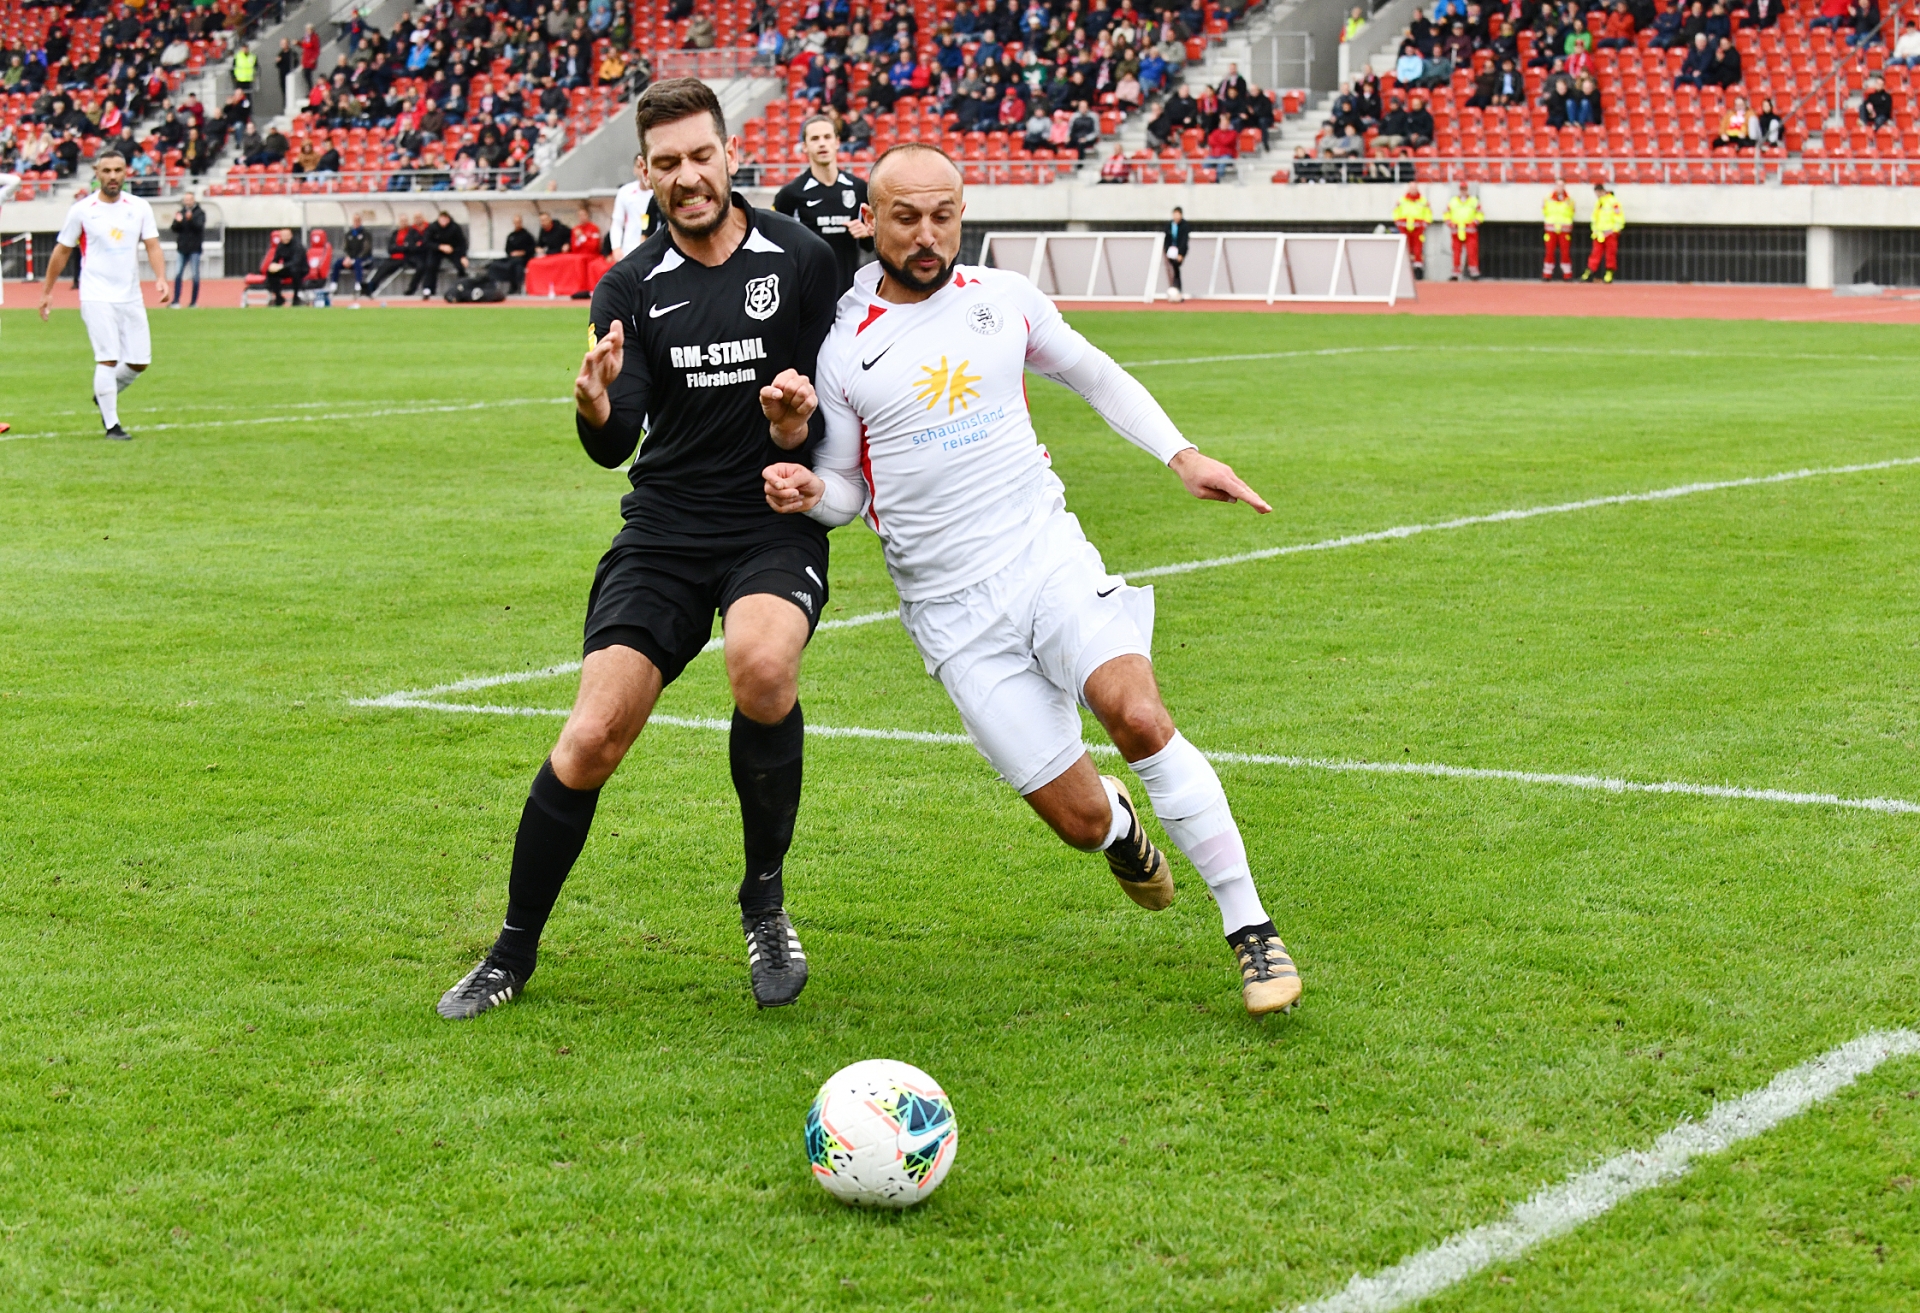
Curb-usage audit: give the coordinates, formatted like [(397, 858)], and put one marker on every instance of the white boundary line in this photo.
[(1392, 348), (1560, 1208), (424, 700), (337, 417), (1522, 513)]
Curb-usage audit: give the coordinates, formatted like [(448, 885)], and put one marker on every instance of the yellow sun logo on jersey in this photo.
[(955, 384), (115, 233)]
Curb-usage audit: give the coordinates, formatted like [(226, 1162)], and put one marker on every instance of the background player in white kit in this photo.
[(117, 224), (634, 212), (922, 386)]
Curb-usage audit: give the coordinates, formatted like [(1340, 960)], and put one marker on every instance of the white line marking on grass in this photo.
[(1392, 348), (424, 700), (1560, 1208), (1522, 513), (449, 408)]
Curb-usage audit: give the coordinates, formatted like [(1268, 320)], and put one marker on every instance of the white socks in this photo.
[(124, 374), (1187, 797), (1122, 816), (106, 391)]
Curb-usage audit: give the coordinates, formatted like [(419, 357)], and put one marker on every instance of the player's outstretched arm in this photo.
[(1212, 480), (597, 372), (788, 403)]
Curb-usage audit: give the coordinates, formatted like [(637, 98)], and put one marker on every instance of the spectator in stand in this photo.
[(356, 248), (286, 62), (1083, 133), (403, 248), (1583, 106), (320, 265), (1223, 150), (1863, 24), (1419, 123), (1762, 14), (285, 267), (1833, 13), (1725, 69), (554, 237), (1259, 114), (1346, 144), (1559, 92), (1393, 128), (189, 240), (1736, 126), (1768, 128), (1876, 106), (1176, 115), (446, 244), (1906, 51), (1698, 63), (1410, 67), (1620, 31), (520, 249)]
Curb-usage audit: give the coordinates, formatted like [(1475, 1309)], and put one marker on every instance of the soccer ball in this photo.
[(881, 1134)]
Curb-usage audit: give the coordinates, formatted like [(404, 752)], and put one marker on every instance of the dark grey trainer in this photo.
[(482, 989), (775, 959)]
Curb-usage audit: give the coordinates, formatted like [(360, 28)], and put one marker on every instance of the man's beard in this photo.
[(705, 230), (901, 276)]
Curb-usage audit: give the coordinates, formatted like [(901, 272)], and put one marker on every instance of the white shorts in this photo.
[(1015, 649), (118, 331)]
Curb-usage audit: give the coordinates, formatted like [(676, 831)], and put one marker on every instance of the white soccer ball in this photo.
[(881, 1134)]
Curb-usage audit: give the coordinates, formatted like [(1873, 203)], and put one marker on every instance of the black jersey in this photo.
[(827, 209), (700, 344)]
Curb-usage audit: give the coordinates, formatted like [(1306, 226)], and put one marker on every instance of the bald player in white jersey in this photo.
[(928, 436), (632, 218), (116, 224)]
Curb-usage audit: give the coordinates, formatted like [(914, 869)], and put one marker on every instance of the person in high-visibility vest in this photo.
[(1411, 216), (1464, 217), (1558, 212), (1608, 220), (244, 66)]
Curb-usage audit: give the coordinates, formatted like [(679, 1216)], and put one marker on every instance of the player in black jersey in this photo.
[(828, 200), (691, 331)]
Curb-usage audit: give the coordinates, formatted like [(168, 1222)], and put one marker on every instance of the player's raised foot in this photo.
[(482, 989), (775, 960), (118, 434), (1142, 869), (1269, 982)]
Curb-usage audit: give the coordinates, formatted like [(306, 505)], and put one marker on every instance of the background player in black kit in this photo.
[(828, 200), (690, 330)]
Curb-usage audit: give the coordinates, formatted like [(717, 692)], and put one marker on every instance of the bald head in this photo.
[(916, 199), (913, 168)]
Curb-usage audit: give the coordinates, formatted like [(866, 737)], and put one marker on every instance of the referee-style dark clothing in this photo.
[(700, 343), (827, 209)]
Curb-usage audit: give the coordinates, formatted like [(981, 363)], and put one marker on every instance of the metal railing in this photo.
[(1730, 167), (355, 182), (715, 65), (1281, 61), (977, 172)]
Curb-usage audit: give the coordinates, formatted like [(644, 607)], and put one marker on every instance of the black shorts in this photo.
[(660, 601)]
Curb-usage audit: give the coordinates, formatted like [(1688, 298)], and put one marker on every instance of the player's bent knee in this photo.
[(1141, 728)]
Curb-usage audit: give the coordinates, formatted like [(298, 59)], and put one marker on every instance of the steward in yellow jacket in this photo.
[(1464, 217), (1411, 216), (1609, 219)]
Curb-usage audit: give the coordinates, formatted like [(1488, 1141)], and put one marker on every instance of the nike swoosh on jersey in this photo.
[(869, 364), (814, 201), (1109, 592), (654, 312)]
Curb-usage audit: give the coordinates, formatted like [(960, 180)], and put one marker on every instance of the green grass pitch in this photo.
[(229, 897)]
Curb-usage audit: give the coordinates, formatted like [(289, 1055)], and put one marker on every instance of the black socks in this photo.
[(553, 829), (766, 774)]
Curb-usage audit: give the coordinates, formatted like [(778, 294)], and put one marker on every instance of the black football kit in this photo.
[(699, 344), (827, 209)]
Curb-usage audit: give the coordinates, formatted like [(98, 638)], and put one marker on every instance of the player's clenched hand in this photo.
[(597, 372), (859, 228), (792, 489), (1210, 480), (788, 403)]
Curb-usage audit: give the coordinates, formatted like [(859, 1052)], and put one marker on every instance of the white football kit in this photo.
[(110, 303), (929, 437), (628, 228)]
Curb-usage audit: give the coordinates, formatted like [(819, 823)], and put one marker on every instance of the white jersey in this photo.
[(927, 404), (629, 226), (114, 230)]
